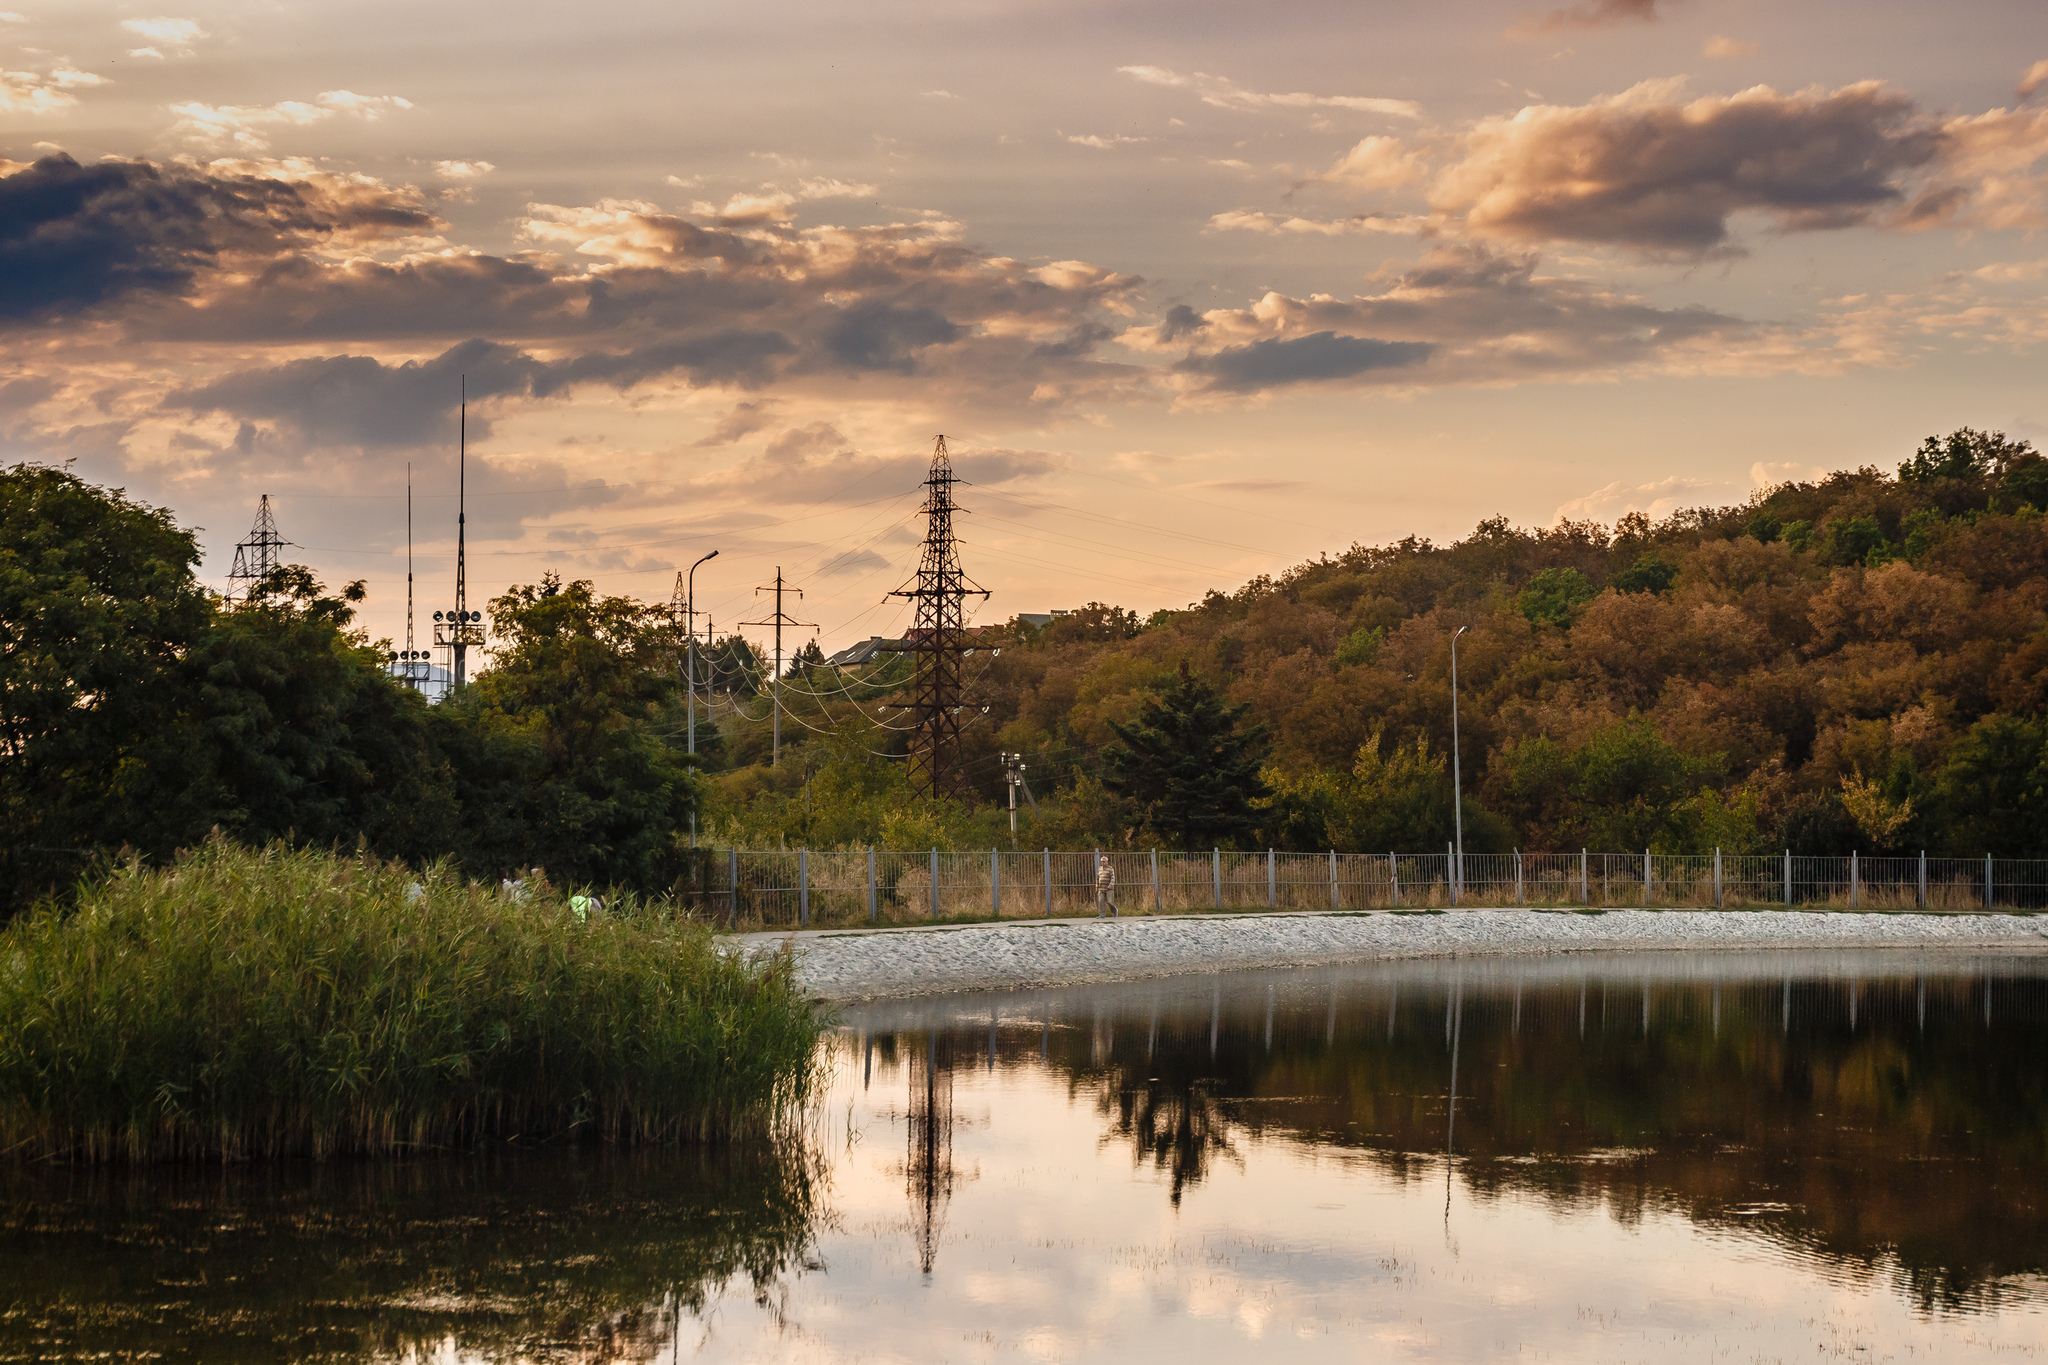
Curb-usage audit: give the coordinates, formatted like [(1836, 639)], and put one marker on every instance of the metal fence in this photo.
[(802, 887)]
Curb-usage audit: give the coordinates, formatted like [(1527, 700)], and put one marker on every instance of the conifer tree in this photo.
[(1189, 765)]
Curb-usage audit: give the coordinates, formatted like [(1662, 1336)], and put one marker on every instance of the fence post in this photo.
[(1648, 899), (995, 886), (1518, 876), (1272, 897), (935, 883), (1788, 879), (1585, 881), (1921, 902), (1216, 870), (1394, 877), (1987, 898), (1158, 902), (871, 883), (732, 920), (1854, 880), (1717, 879), (1048, 883), (1451, 870), (803, 887)]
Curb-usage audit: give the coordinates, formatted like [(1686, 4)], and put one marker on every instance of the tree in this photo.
[(1552, 594), (1994, 788), (1189, 765), (570, 709), (1964, 453), (98, 605)]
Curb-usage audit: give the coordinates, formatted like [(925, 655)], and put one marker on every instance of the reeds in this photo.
[(250, 1003)]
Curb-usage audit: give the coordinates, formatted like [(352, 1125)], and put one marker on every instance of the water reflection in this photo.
[(569, 1256), (1630, 1159)]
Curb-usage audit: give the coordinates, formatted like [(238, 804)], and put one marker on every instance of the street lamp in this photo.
[(1457, 784), (690, 608)]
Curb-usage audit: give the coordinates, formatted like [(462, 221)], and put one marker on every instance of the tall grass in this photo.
[(265, 1002)]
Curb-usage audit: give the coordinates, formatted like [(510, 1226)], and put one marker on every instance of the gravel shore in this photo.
[(865, 964)]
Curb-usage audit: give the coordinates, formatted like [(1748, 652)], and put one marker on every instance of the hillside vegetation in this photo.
[(1855, 663)]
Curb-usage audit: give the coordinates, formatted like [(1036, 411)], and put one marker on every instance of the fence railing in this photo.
[(801, 887)]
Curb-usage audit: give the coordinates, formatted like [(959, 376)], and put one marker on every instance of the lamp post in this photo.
[(1457, 783), (690, 609)]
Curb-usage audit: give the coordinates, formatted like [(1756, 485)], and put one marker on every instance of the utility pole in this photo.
[(256, 557), (1013, 777), (457, 630), (686, 599), (938, 638), (1457, 787), (778, 620)]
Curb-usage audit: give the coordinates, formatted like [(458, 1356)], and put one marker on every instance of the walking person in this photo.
[(1105, 887)]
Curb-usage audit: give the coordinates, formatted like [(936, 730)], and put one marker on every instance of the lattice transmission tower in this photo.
[(938, 635), (256, 557)]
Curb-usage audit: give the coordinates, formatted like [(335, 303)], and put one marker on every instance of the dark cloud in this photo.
[(75, 237), (744, 420), (1589, 14), (1278, 362), (1464, 314), (1648, 170), (1180, 321)]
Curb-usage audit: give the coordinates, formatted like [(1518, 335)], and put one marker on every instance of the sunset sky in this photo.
[(1196, 291)]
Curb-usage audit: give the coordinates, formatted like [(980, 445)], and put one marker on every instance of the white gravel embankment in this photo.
[(860, 964)]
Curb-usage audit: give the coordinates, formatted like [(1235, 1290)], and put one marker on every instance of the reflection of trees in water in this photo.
[(574, 1256), (1866, 1125), (1179, 1127)]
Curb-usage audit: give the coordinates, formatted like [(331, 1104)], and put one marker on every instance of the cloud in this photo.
[(1227, 94), (1651, 171), (940, 95), (850, 562), (1103, 143), (76, 237), (243, 125), (2035, 79), (1718, 47), (771, 204), (463, 170), (1464, 314), (744, 420), (1253, 486), (817, 464), (1379, 163), (1253, 220), (1654, 500), (36, 93), (169, 32), (1770, 473), (1588, 14)]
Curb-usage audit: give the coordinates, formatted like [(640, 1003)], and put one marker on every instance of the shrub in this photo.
[(249, 1002)]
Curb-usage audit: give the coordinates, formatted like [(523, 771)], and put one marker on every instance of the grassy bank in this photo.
[(254, 1003)]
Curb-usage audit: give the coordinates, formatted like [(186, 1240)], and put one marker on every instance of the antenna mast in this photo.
[(413, 669), (256, 557), (938, 638), (460, 628)]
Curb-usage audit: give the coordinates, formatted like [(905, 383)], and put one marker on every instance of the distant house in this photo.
[(866, 652), (1039, 620)]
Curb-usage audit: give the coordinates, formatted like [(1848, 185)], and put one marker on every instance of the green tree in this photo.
[(98, 606), (1552, 594), (1190, 765), (1993, 790), (1964, 453), (1651, 573), (571, 709)]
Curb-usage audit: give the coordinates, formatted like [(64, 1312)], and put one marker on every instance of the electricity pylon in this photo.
[(938, 635)]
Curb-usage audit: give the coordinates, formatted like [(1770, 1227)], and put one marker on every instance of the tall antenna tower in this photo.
[(938, 636), (413, 668), (778, 620), (460, 628), (256, 557)]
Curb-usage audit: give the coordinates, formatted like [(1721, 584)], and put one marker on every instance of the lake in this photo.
[(1747, 1158)]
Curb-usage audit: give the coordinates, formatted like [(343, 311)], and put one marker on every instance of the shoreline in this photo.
[(854, 964)]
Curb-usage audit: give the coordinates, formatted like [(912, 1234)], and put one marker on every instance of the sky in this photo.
[(1195, 291)]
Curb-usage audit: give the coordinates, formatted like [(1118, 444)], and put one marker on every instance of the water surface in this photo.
[(1682, 1158)]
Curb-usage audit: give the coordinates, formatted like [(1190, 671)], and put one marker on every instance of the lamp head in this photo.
[(1459, 631)]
